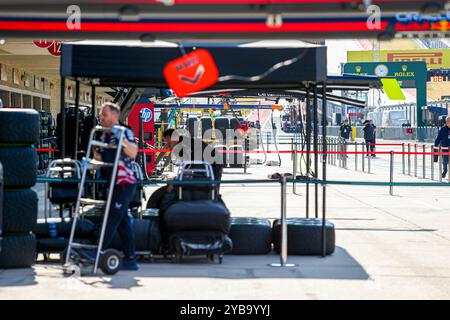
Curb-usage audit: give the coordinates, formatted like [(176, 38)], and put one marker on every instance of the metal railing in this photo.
[(389, 133), (283, 196)]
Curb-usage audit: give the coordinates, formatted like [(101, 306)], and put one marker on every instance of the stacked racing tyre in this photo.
[(251, 236), (304, 236), (52, 235), (19, 132)]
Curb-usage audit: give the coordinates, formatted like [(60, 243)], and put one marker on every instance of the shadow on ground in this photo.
[(340, 265), (17, 277)]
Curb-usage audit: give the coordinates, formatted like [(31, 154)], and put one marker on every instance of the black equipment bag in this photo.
[(198, 215), (199, 222)]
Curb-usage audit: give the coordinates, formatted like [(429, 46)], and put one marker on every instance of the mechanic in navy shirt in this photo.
[(125, 185), (443, 139)]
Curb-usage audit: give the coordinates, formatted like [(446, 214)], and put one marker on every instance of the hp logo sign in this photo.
[(146, 115)]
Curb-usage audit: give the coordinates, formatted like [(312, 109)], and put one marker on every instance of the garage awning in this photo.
[(141, 64)]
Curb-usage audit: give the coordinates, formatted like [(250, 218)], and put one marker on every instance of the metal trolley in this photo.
[(108, 260)]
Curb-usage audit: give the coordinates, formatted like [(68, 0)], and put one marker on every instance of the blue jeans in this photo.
[(119, 221)]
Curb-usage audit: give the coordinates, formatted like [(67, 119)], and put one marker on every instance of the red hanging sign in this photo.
[(54, 47), (43, 43), (191, 73)]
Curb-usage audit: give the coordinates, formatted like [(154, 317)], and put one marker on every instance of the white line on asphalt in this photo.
[(429, 205)]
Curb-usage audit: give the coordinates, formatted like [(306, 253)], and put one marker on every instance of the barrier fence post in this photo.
[(294, 169), (329, 149), (246, 144), (329, 155), (335, 149), (292, 149), (409, 159), (316, 153), (440, 164), (403, 158), (345, 155), (363, 162), (369, 159), (324, 172), (336, 156), (424, 163), (448, 150), (356, 156), (308, 147), (284, 229), (391, 179), (432, 162), (332, 143), (448, 174), (415, 160)]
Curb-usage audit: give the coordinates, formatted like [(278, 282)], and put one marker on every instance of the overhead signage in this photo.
[(435, 59), (191, 73)]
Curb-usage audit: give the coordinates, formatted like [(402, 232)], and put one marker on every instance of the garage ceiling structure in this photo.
[(148, 20), (137, 66)]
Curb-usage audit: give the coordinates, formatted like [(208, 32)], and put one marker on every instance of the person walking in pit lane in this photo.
[(368, 137), (344, 132), (118, 220), (443, 140)]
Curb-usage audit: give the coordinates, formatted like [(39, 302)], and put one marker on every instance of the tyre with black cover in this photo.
[(251, 236), (56, 245), (155, 199), (20, 210), (206, 123), (147, 236), (222, 124), (304, 236), (18, 251), (19, 126), (201, 215), (55, 228), (19, 166)]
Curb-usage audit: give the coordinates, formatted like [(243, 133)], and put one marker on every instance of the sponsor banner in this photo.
[(435, 59)]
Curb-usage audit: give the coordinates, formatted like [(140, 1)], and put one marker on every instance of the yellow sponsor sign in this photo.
[(435, 59)]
